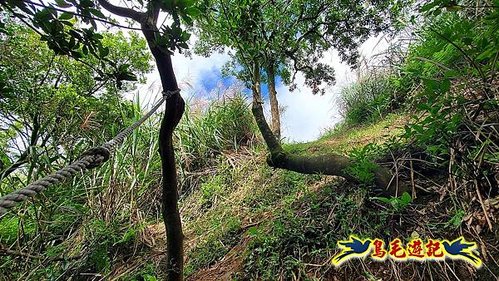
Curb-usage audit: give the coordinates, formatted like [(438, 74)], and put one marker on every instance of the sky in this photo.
[(305, 117)]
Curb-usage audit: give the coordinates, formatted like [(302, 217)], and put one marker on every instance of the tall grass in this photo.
[(225, 124), (368, 100), (85, 225)]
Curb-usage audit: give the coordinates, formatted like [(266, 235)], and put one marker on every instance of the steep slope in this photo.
[(249, 222)]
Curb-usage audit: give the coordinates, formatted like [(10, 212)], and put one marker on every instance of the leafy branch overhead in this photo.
[(292, 35), (70, 27)]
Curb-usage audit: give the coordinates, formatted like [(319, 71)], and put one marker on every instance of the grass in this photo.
[(343, 139), (246, 203), (251, 203), (100, 219), (242, 219), (237, 201), (289, 223)]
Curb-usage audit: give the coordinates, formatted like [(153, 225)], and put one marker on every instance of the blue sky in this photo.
[(305, 117), (212, 79)]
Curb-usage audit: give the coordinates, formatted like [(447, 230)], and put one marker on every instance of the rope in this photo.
[(91, 158)]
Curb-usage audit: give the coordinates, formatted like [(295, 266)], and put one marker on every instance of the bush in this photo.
[(224, 125), (369, 99)]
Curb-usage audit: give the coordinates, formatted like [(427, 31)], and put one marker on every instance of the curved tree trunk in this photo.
[(274, 104), (174, 110), (327, 164), (175, 106)]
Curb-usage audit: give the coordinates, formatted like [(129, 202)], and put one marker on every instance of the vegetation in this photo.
[(369, 100), (254, 30), (420, 121)]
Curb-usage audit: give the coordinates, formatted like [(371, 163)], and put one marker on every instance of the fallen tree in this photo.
[(328, 164), (281, 38)]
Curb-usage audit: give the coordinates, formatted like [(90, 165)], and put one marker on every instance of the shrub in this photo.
[(225, 124), (369, 99)]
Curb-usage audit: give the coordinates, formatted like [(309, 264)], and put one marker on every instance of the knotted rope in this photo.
[(91, 158)]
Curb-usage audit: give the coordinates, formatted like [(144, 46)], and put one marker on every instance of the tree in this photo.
[(55, 22), (286, 37), (52, 105)]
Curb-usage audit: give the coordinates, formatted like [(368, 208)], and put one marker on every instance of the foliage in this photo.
[(369, 99), (71, 27), (291, 36), (54, 107), (53, 22), (301, 239), (443, 52), (212, 188), (279, 224), (104, 214), (10, 229), (216, 245), (398, 204), (225, 124), (363, 166), (456, 73)]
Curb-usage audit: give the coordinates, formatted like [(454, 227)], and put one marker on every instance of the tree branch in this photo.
[(84, 16), (122, 11), (16, 165)]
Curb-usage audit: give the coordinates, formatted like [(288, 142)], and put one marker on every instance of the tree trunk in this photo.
[(274, 104), (174, 110), (326, 164), (175, 106)]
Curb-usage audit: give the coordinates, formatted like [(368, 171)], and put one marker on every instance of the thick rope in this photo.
[(91, 158)]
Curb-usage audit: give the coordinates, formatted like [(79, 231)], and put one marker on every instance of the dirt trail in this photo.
[(226, 268)]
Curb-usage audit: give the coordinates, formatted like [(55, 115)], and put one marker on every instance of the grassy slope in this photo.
[(344, 139), (248, 221)]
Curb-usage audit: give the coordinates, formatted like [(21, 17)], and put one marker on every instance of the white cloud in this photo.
[(188, 73), (306, 116)]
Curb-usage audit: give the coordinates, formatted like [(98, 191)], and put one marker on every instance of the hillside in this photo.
[(248, 221), (202, 185)]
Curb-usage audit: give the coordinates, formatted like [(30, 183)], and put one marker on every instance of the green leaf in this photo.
[(428, 6), (193, 12), (97, 13), (65, 16), (406, 198), (128, 76), (185, 36), (451, 73), (104, 51), (383, 199), (62, 4), (467, 41), (85, 50), (97, 36), (123, 67)]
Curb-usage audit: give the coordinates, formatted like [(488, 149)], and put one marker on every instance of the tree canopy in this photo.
[(52, 104), (292, 35)]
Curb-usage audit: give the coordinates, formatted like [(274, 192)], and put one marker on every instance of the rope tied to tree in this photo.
[(92, 158)]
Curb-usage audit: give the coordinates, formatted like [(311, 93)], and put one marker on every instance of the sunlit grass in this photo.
[(343, 139)]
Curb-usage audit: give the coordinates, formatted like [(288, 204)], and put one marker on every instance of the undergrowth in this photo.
[(245, 221), (89, 226)]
